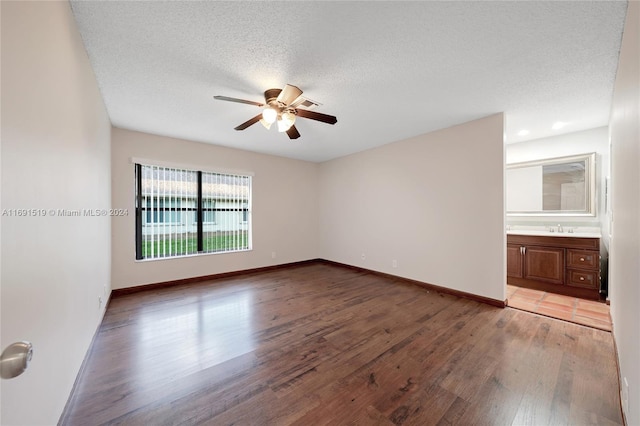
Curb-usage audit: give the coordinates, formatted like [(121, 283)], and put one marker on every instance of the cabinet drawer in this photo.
[(583, 259), (585, 279)]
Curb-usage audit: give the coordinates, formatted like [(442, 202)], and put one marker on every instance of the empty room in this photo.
[(320, 213)]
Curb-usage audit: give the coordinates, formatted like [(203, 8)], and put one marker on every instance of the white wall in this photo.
[(55, 155), (624, 285), (593, 140), (433, 202), (285, 208)]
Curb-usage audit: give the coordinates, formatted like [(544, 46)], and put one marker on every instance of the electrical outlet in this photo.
[(273, 254), (363, 256), (394, 263)]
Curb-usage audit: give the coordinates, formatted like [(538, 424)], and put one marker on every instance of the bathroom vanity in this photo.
[(562, 263), (555, 258)]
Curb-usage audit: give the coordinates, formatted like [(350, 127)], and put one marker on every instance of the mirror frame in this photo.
[(590, 181)]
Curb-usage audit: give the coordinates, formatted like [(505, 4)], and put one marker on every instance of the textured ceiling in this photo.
[(387, 70)]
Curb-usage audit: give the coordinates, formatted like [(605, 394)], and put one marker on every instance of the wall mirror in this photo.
[(563, 186)]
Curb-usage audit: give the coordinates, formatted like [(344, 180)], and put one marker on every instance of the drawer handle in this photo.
[(582, 259), (581, 278)]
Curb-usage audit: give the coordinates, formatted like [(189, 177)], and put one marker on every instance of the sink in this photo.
[(547, 233)]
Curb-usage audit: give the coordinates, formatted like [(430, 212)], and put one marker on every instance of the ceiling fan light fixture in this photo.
[(269, 115), (266, 124), (289, 118), (286, 120), (282, 125)]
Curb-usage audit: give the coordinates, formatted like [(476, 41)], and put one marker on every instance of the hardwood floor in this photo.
[(320, 344)]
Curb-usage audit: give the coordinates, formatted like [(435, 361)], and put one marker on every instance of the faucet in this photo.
[(560, 228)]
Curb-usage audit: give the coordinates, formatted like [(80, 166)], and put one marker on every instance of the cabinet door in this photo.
[(514, 261), (544, 264)]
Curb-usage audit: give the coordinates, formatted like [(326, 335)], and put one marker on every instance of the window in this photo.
[(209, 211), (245, 211), (184, 212), (167, 210)]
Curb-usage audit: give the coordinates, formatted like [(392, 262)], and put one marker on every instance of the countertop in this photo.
[(586, 232)]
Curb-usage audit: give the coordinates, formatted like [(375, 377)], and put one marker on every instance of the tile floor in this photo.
[(580, 311)]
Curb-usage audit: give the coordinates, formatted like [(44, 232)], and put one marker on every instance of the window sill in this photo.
[(183, 256)]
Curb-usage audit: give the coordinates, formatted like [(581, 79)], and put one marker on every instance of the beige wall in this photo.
[(416, 201), (434, 203), (285, 208), (55, 155), (624, 287)]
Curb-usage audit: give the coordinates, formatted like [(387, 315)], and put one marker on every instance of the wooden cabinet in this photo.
[(583, 259), (544, 264), (565, 265), (584, 279), (514, 261), (583, 268), (535, 263)]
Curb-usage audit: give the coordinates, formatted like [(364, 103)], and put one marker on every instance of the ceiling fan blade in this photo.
[(249, 122), (240, 101), (329, 119), (289, 94), (293, 133)]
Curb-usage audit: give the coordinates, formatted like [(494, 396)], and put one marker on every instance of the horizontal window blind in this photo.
[(183, 212)]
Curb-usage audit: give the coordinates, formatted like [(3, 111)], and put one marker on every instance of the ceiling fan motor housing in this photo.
[(271, 95)]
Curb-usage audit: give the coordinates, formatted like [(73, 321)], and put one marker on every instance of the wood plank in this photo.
[(318, 344)]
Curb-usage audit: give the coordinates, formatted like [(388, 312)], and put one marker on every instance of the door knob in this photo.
[(15, 359)]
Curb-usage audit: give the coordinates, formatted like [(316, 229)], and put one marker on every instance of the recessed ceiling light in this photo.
[(558, 125), (523, 132)]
